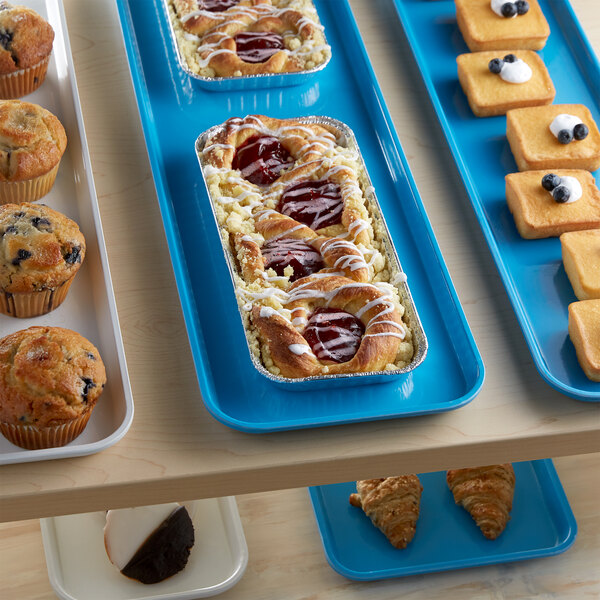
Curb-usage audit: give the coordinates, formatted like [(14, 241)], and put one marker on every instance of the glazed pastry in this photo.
[(25, 46), (495, 82), (50, 381), (33, 143), (547, 204), (292, 203), (226, 38), (581, 258), (501, 24), (392, 504), (584, 331), (560, 136), (486, 493), (149, 543)]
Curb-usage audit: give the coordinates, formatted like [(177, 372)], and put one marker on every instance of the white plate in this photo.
[(79, 568), (90, 305)]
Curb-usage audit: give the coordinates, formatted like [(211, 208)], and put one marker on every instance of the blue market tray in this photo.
[(541, 524), (532, 270), (174, 110)]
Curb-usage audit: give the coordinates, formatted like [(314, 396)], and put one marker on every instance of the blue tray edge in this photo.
[(507, 281), (543, 467), (180, 269)]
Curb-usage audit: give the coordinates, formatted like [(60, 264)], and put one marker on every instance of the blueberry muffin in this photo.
[(50, 381), (25, 47), (41, 251), (33, 141)]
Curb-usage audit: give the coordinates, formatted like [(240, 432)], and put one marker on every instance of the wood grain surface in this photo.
[(287, 559), (175, 449)]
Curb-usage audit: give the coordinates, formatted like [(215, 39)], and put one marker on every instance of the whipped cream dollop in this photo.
[(516, 72), (574, 187), (564, 121), (497, 7)]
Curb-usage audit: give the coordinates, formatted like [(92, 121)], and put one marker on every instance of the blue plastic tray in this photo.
[(174, 111), (541, 524), (531, 270)]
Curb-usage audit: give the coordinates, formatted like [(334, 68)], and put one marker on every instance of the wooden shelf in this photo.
[(175, 449)]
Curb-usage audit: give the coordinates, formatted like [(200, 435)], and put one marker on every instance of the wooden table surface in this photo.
[(175, 449), (287, 560)]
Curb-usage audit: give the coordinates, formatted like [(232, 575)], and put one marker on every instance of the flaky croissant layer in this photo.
[(486, 493)]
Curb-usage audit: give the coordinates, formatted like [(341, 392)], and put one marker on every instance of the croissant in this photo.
[(392, 504), (486, 493)]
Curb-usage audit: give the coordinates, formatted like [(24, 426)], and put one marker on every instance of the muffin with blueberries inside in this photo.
[(33, 143), (25, 46), (41, 251), (50, 381)]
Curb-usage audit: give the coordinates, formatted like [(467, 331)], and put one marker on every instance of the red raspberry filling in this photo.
[(280, 253), (216, 5), (257, 46), (317, 204), (261, 159), (334, 335)]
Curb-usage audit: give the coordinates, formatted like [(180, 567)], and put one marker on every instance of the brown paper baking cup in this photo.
[(32, 437), (33, 304), (23, 82), (29, 190)]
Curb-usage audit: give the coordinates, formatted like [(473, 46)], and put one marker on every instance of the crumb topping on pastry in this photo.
[(249, 37), (294, 265)]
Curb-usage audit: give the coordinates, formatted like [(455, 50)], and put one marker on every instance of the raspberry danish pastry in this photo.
[(310, 253), (235, 38)]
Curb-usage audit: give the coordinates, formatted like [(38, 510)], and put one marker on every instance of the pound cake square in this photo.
[(581, 257), (485, 29), (538, 214), (584, 331), (535, 146), (494, 85)]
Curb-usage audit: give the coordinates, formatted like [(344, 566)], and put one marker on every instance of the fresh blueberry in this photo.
[(550, 181), (88, 384), (73, 256), (41, 223), (495, 65), (561, 193), (508, 9), (565, 136), (22, 254), (6, 38), (580, 131), (510, 58), (522, 6)]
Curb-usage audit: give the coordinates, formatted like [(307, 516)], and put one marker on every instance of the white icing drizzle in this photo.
[(497, 7), (564, 121), (300, 349), (516, 72), (266, 312)]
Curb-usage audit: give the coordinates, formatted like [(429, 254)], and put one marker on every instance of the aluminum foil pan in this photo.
[(398, 279), (248, 82)]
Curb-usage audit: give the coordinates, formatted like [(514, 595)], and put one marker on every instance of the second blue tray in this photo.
[(531, 270), (174, 110), (541, 524)]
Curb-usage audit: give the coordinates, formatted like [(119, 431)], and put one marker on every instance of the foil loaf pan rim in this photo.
[(419, 337)]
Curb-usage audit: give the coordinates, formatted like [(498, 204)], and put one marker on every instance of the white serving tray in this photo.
[(90, 307), (79, 568)]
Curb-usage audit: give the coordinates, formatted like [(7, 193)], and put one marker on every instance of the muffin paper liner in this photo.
[(29, 190), (23, 82), (33, 304), (32, 437)]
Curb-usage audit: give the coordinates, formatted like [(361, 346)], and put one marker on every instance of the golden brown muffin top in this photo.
[(48, 376), (32, 140), (40, 248), (25, 38)]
